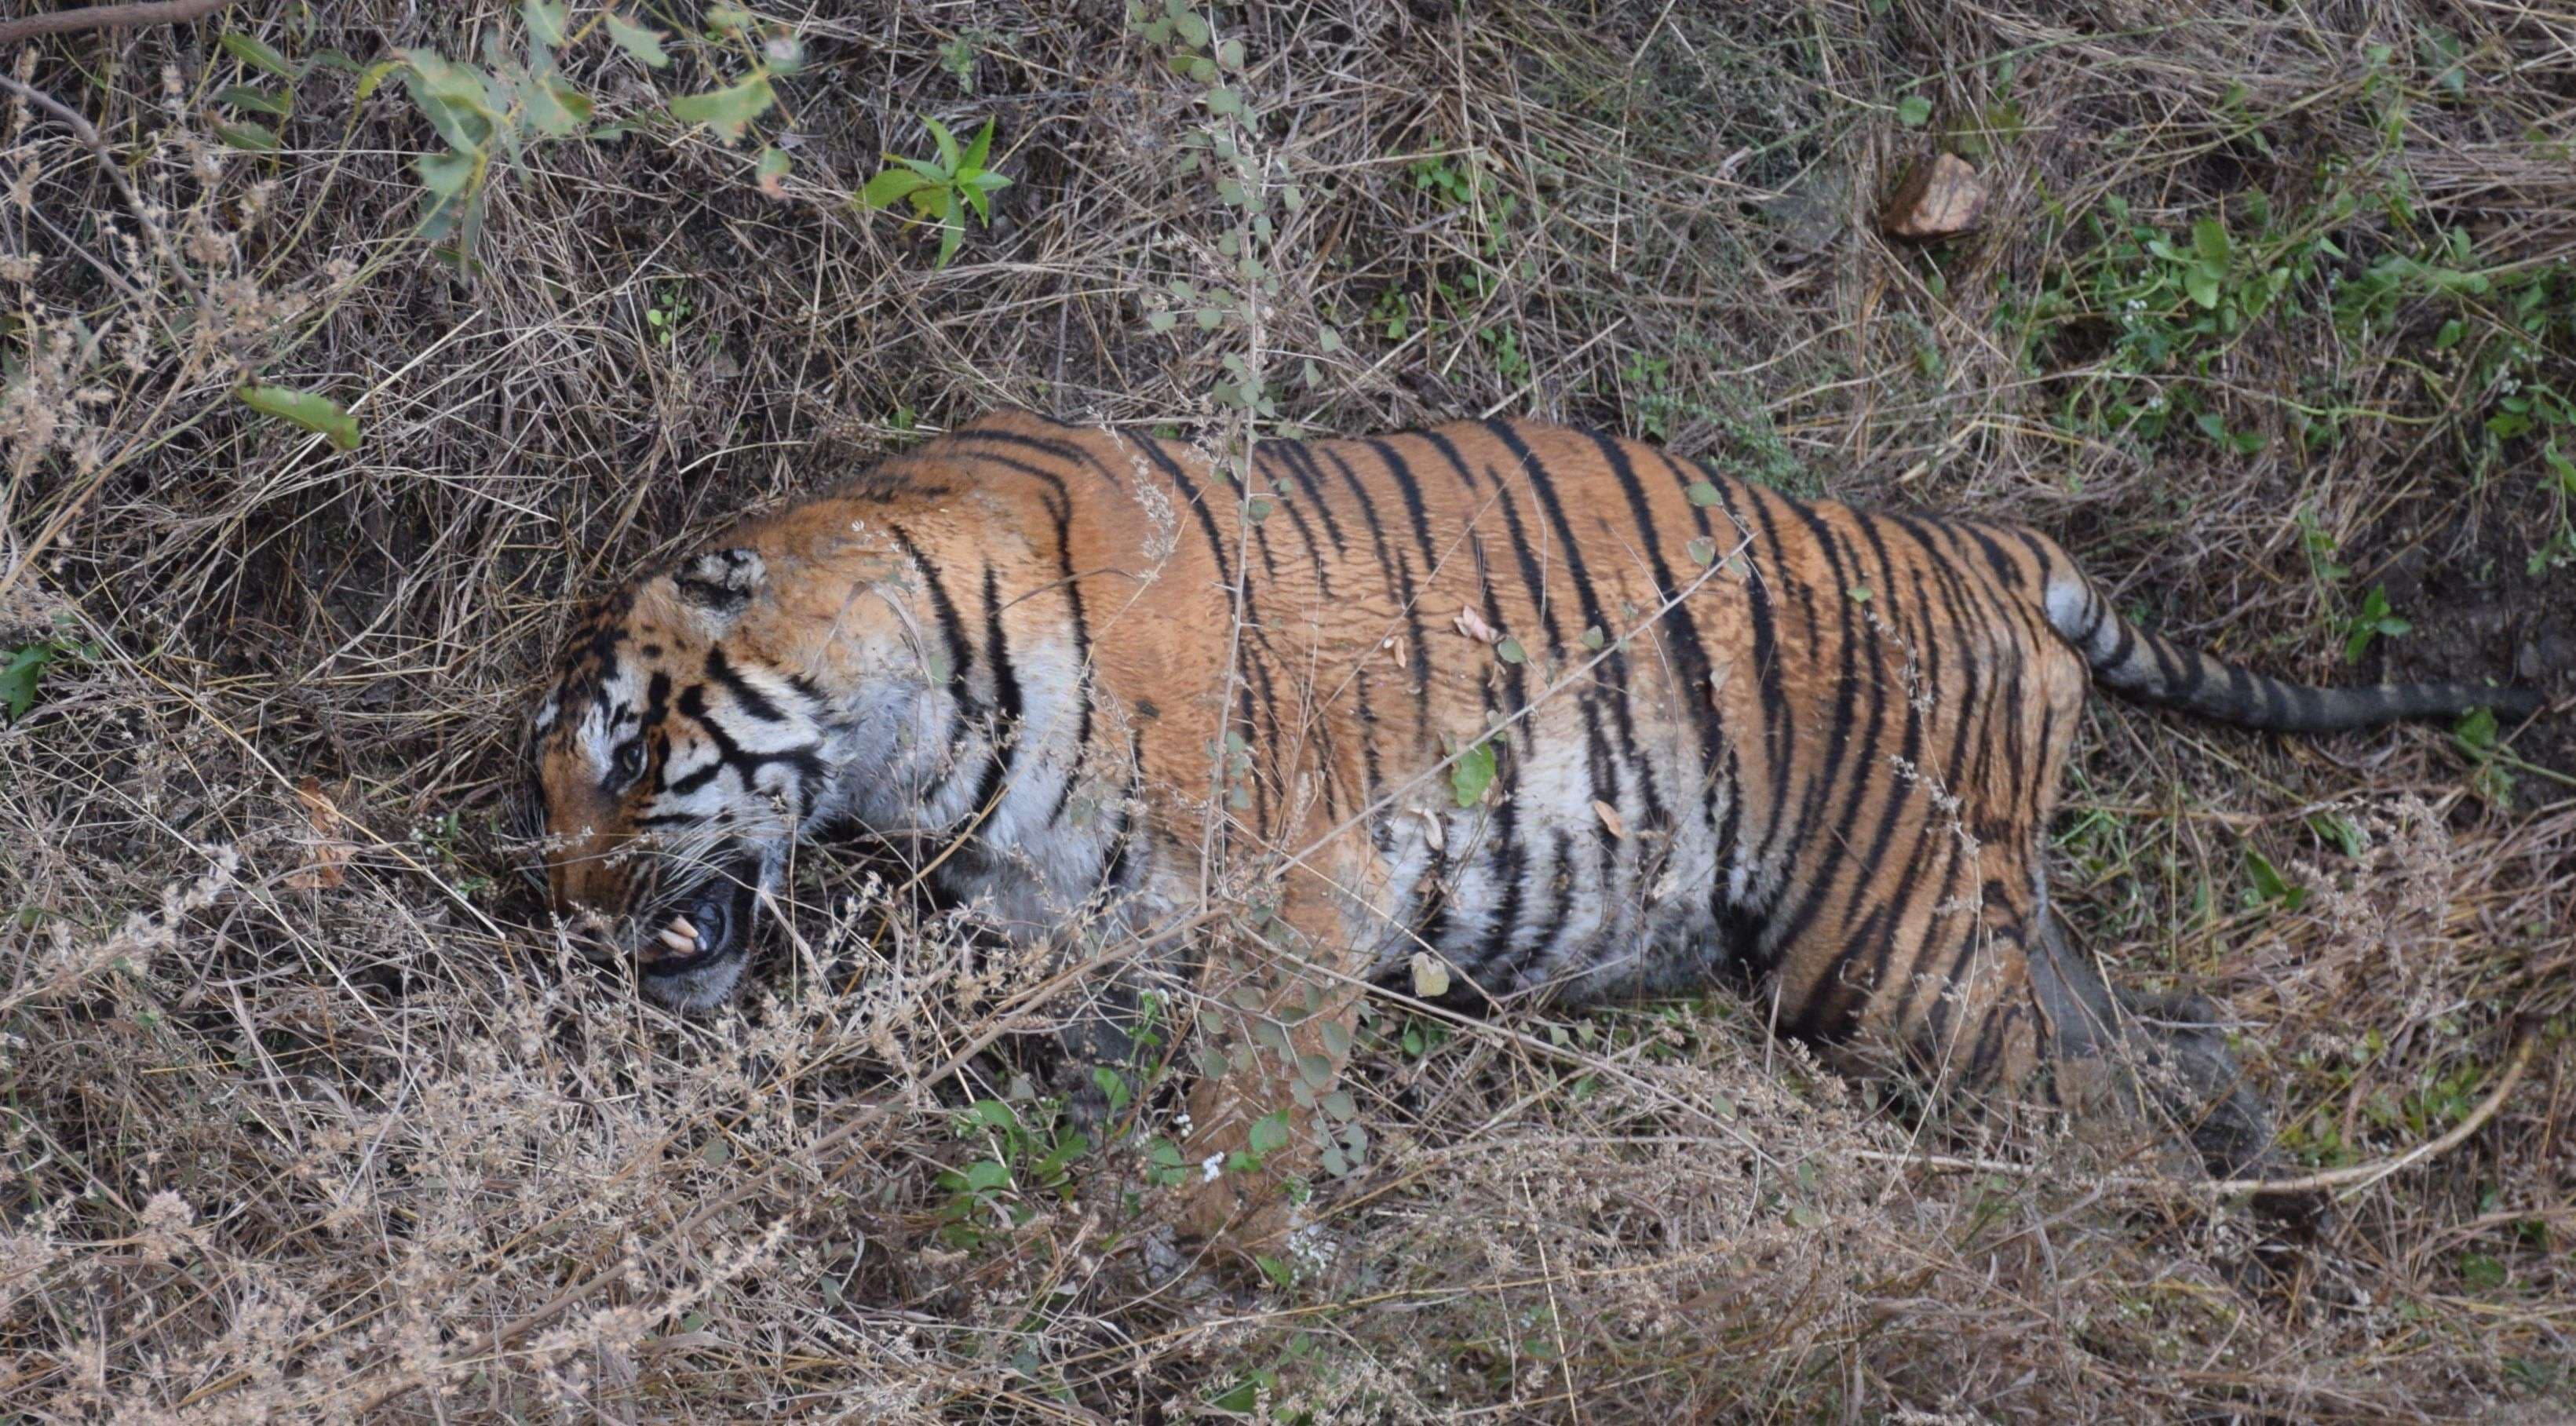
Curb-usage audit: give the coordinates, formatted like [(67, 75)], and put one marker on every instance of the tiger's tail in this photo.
[(2150, 668)]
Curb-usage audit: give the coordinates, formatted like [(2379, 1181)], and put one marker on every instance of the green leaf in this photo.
[(2477, 731), (729, 110), (1112, 1086), (18, 678), (930, 171), (1702, 493), (248, 96), (1269, 1133), (314, 413), (548, 112), (462, 85), (1913, 111), (1224, 102), (2201, 287), (2340, 831), (954, 223), (976, 151), (2209, 240), (1509, 650), (257, 55), (771, 174), (2270, 885), (643, 42), (258, 138), (545, 20), (446, 174), (891, 187), (573, 100), (1472, 774), (1593, 638), (950, 160), (459, 125)]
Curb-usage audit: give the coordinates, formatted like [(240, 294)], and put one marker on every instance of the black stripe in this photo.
[(1006, 698), (1829, 850), (1779, 726), (1299, 461), (692, 704), (1397, 571), (751, 700), (1700, 708), (1588, 602), (1897, 791), (952, 630)]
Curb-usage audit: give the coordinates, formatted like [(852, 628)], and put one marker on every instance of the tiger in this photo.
[(1534, 711)]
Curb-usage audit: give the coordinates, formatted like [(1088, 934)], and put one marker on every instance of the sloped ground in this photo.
[(305, 1114)]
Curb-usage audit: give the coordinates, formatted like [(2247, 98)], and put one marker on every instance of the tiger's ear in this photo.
[(719, 584)]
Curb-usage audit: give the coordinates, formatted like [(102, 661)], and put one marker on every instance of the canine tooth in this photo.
[(677, 941)]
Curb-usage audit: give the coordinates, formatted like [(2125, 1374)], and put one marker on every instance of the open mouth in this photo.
[(713, 925)]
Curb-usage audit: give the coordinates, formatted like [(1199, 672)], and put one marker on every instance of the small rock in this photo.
[(1941, 198)]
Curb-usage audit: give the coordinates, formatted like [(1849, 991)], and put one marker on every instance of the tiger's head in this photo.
[(672, 773)]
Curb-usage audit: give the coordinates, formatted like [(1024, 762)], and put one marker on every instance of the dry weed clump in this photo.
[(307, 1113)]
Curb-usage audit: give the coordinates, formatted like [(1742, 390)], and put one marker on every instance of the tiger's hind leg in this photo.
[(2163, 1052)]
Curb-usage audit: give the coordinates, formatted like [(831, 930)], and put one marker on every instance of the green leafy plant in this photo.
[(1178, 27), (2372, 621), (22, 667), (958, 57), (669, 310), (1025, 1157), (2268, 887), (2159, 310), (2479, 739), (942, 189), (490, 114)]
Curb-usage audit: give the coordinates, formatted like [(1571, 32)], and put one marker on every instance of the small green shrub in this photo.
[(942, 189)]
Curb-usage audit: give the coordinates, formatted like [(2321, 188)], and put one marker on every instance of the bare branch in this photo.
[(107, 17)]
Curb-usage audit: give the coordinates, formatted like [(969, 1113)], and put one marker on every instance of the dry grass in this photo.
[(304, 1114)]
